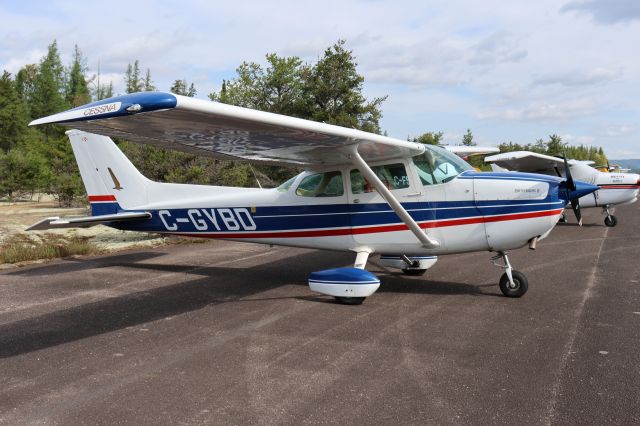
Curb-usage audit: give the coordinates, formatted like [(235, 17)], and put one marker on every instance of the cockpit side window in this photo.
[(437, 165), (394, 176), (328, 184)]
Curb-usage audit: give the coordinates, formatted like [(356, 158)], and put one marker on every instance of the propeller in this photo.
[(571, 188)]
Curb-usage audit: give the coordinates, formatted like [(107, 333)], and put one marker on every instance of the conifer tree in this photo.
[(13, 114), (47, 97), (77, 90)]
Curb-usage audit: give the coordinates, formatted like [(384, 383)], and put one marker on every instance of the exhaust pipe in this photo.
[(533, 242)]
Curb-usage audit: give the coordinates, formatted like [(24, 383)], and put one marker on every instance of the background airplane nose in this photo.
[(581, 189)]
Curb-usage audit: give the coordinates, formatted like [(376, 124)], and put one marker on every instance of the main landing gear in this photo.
[(512, 283), (610, 220)]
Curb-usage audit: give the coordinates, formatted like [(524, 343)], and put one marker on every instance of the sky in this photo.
[(514, 71)]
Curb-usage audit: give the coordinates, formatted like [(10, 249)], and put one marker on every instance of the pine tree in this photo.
[(179, 87), (132, 78), (77, 90), (47, 97), (13, 114), (467, 139), (148, 86)]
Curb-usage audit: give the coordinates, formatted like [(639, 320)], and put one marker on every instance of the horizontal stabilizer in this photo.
[(86, 221)]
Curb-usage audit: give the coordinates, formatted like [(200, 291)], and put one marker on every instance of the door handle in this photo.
[(414, 194)]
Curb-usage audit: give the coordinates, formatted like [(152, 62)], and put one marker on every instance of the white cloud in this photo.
[(507, 70), (595, 76), (619, 131), (606, 11), (542, 111)]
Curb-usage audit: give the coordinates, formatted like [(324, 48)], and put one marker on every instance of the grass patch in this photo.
[(23, 248)]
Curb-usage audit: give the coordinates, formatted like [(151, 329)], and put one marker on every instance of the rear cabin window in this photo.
[(328, 184), (393, 176)]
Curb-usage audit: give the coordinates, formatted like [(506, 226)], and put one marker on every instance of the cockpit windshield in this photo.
[(438, 165)]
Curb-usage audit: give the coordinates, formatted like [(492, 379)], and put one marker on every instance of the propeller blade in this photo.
[(567, 172), (571, 186), (575, 206)]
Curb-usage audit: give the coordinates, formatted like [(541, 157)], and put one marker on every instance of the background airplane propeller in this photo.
[(572, 193)]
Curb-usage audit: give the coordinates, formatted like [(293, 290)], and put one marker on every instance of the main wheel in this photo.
[(350, 300), (610, 221), (414, 271), (519, 287)]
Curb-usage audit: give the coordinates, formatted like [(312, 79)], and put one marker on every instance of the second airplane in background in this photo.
[(614, 188)]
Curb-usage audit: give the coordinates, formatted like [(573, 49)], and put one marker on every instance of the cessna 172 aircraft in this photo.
[(614, 189), (360, 192)]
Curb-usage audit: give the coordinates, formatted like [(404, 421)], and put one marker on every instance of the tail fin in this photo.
[(112, 182)]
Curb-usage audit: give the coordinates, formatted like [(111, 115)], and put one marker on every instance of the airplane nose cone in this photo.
[(582, 189)]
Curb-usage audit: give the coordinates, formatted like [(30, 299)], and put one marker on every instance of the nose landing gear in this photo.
[(512, 283), (610, 220)]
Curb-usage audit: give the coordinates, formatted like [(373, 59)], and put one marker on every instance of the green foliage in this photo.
[(467, 139), (14, 116), (132, 78), (554, 146), (22, 171), (48, 88), (147, 85), (77, 90), (179, 87), (429, 138)]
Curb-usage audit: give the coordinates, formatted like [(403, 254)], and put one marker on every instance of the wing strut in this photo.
[(366, 171)]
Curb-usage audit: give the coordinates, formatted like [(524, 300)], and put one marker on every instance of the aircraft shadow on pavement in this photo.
[(77, 264), (424, 285), (214, 285)]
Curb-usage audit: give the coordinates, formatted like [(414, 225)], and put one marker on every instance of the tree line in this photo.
[(330, 90)]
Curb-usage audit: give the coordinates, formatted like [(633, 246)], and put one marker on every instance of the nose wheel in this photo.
[(610, 220), (512, 283)]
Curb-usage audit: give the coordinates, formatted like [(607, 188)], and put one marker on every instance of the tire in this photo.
[(521, 282), (610, 221), (414, 271), (350, 300)]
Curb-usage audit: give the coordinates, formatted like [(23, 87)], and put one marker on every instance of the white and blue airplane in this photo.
[(360, 192), (614, 188)]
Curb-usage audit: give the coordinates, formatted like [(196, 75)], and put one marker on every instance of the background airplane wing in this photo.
[(466, 151), (225, 131), (527, 161)]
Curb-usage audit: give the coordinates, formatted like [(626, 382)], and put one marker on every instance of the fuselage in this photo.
[(336, 209), (614, 188)]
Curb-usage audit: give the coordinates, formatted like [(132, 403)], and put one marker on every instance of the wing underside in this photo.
[(224, 131), (529, 162)]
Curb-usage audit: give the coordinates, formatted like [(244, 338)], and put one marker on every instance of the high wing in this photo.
[(527, 161), (229, 132), (467, 151)]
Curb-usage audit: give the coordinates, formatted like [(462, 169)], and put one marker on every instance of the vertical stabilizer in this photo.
[(111, 180)]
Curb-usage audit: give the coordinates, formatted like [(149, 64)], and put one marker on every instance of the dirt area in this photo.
[(15, 217)]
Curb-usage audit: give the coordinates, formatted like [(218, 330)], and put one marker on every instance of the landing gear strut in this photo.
[(512, 283), (610, 220), (413, 266)]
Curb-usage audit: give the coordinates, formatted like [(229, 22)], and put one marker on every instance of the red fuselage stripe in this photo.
[(619, 186)]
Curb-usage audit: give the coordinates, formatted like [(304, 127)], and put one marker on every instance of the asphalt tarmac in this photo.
[(229, 333)]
